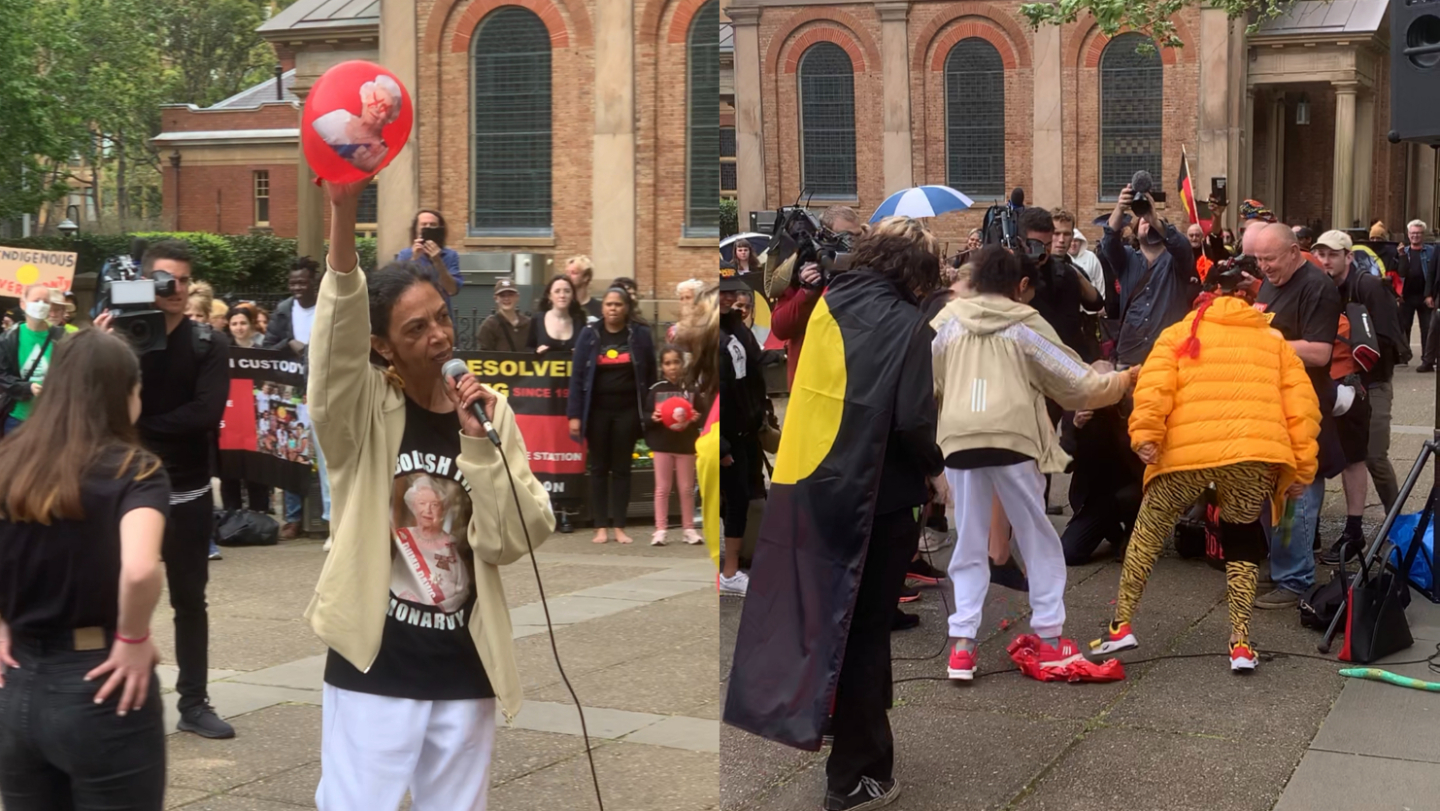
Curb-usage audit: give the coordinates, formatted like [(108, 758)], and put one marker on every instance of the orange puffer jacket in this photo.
[(1243, 397)]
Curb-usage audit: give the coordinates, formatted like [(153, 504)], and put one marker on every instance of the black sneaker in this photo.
[(870, 793), (564, 525), (922, 572), (1425, 368), (903, 621), (1009, 575), (909, 595), (1346, 547), (203, 721)]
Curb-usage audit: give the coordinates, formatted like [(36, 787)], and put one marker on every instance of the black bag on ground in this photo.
[(247, 528), (1376, 625), (1321, 602)]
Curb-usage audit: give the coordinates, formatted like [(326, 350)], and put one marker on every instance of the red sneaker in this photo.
[(962, 663), (1117, 637), (1058, 655), (1243, 658)]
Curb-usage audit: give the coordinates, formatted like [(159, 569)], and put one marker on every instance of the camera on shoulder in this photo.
[(130, 298)]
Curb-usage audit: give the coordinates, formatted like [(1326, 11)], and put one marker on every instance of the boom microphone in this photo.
[(1017, 197), (455, 369), (1142, 183), (138, 246)]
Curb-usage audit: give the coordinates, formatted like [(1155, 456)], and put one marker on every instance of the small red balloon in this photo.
[(676, 410), (357, 119)]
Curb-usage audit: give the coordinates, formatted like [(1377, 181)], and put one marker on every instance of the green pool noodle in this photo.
[(1376, 674)]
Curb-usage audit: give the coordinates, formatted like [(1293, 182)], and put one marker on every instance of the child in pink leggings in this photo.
[(674, 448)]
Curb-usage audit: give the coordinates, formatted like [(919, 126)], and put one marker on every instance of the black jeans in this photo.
[(1410, 308), (863, 745), (60, 751), (611, 437), (737, 484), (186, 551), (258, 495)]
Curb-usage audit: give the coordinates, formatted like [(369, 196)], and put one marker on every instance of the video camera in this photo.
[(131, 299), (798, 239), (1002, 227), (1229, 275)]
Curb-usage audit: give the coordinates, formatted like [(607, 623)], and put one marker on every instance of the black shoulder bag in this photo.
[(8, 401)]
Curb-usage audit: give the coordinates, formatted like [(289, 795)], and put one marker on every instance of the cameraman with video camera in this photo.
[(1156, 283), (1063, 290), (184, 386), (792, 311)]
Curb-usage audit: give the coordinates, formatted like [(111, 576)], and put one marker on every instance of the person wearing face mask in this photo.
[(25, 352), (1156, 283), (439, 263)]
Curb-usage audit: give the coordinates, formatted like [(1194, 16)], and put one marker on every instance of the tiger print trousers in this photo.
[(1241, 489)]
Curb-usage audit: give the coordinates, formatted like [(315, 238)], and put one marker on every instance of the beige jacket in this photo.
[(996, 360), (360, 419)]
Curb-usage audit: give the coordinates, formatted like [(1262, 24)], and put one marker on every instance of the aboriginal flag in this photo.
[(818, 517), (707, 451), (1187, 189)]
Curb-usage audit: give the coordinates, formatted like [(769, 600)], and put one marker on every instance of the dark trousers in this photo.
[(863, 745), (1105, 510), (737, 484), (1410, 309), (257, 495), (60, 751), (611, 436), (186, 551)]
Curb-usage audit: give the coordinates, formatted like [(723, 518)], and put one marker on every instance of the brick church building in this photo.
[(547, 127), (852, 102)]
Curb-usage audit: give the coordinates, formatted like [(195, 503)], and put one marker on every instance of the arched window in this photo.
[(975, 118), (827, 122), (702, 58), (1132, 98), (511, 154)]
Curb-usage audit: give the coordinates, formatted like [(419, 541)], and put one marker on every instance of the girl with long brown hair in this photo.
[(82, 513)]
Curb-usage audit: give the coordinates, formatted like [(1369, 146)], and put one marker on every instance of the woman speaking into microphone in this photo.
[(410, 601)]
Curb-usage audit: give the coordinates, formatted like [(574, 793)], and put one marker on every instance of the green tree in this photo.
[(32, 131), (1151, 17), (214, 47)]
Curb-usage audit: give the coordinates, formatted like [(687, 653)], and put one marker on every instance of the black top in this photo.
[(1059, 304), (614, 371), (660, 438), (911, 454), (67, 575), (1379, 300), (742, 383), (426, 652), (183, 394), (540, 337), (973, 458), (1305, 308), (594, 308)]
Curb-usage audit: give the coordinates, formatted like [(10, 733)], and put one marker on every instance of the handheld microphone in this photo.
[(455, 369)]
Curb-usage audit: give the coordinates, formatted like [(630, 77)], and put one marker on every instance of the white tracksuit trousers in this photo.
[(373, 748), (1021, 489)]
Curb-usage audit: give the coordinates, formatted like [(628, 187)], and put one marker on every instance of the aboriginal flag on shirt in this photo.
[(821, 506)]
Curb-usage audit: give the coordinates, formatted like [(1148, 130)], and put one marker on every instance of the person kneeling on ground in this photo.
[(1224, 399), (995, 362)]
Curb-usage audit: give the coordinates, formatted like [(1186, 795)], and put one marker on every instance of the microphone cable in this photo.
[(550, 628)]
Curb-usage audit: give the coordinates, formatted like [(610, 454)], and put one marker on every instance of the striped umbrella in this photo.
[(921, 201)]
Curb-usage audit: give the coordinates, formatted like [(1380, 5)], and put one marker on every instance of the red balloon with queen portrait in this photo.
[(357, 119)]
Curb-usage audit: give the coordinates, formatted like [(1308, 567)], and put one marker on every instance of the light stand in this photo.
[(1431, 447)]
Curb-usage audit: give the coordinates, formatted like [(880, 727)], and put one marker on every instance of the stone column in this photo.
[(1240, 109), (1244, 185), (1342, 209), (1213, 150), (895, 78), (1424, 182), (1364, 156), (749, 139), (612, 190), (398, 185), (310, 202), (1047, 164), (1275, 181)]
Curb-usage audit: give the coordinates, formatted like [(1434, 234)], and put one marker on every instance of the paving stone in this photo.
[(267, 742), (679, 732), (546, 716), (633, 777), (1328, 781), (1383, 720), (652, 684), (301, 674)]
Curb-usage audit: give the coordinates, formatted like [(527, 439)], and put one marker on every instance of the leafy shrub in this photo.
[(265, 260), (729, 217)]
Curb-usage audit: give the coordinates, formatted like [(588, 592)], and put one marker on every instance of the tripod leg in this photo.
[(1378, 541)]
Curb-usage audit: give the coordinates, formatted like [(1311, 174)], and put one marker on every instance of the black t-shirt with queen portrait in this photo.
[(66, 575), (426, 652)]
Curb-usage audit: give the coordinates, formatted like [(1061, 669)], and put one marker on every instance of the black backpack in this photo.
[(246, 528), (1321, 602)]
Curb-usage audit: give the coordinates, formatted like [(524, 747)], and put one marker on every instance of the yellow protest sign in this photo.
[(22, 267)]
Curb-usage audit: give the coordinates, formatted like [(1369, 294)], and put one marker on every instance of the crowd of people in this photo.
[(1162, 368)]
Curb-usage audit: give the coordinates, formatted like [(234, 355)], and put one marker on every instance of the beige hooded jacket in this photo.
[(360, 419), (996, 360)]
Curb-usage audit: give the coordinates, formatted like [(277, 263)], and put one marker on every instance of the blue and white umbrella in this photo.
[(922, 201)]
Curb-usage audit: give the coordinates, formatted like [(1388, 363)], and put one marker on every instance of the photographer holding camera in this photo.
[(1063, 290), (185, 384), (792, 311), (1155, 284)]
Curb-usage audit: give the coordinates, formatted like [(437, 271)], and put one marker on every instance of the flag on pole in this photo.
[(1187, 189)]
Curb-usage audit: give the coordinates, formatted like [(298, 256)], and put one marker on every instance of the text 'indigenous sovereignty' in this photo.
[(537, 387)]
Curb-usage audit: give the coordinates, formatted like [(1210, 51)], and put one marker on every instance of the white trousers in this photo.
[(373, 748), (1021, 489)]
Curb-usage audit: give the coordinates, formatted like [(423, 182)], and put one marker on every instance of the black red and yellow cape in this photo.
[(806, 569)]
